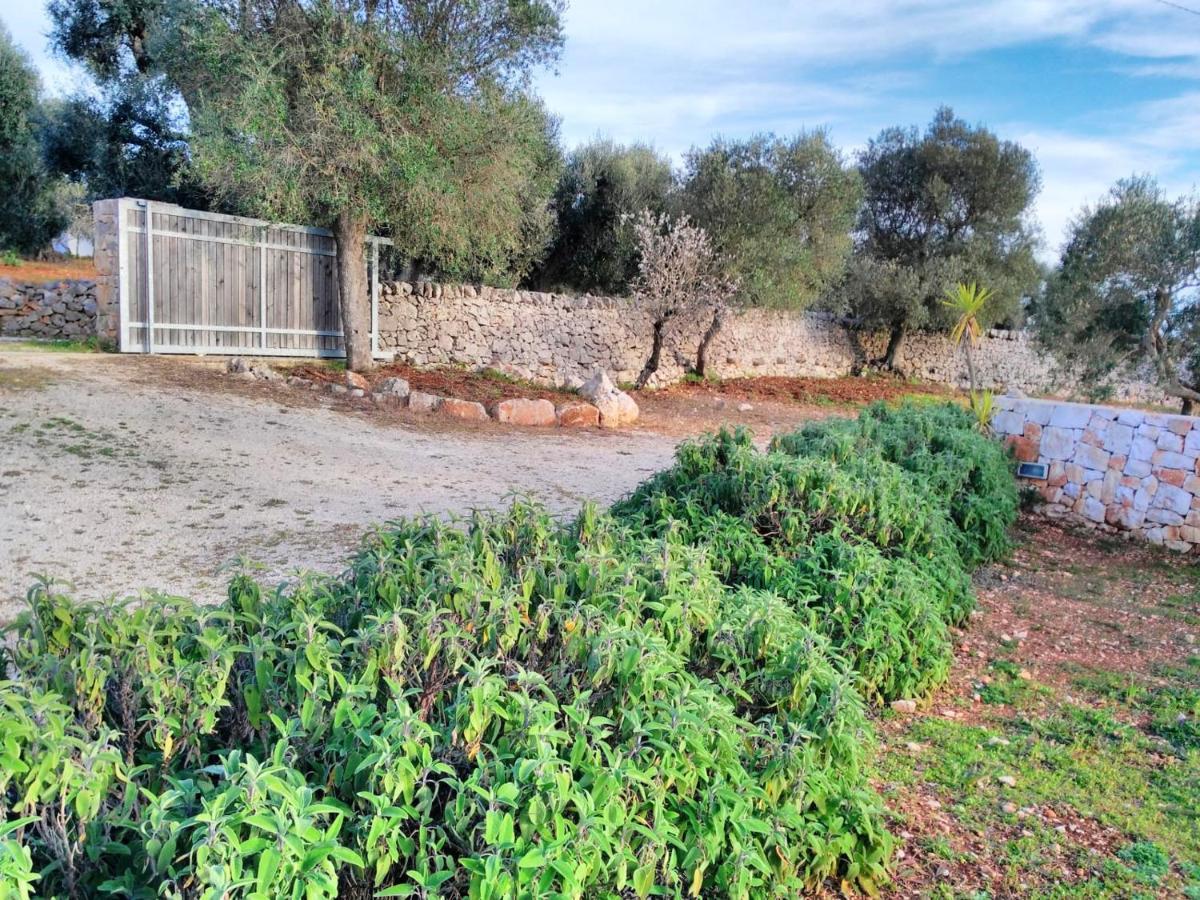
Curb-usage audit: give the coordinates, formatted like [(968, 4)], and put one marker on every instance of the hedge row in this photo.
[(667, 697)]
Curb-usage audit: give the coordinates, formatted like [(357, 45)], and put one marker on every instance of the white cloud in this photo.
[(675, 72), (1075, 171), (839, 31), (1078, 170)]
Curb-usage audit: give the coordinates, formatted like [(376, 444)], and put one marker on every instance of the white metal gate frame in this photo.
[(127, 345)]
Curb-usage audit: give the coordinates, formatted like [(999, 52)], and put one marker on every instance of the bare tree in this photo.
[(679, 275)]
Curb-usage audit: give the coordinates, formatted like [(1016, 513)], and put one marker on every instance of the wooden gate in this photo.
[(198, 282)]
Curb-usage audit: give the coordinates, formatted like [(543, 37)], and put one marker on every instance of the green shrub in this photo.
[(946, 457), (17, 878), (868, 559), (504, 709), (665, 698)]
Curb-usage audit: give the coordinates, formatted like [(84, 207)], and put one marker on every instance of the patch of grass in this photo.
[(693, 378), (1082, 762), (75, 439), (1147, 861), (57, 345), (24, 378), (1182, 607), (1168, 704), (1006, 687)]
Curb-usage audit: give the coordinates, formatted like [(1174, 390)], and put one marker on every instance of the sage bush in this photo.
[(671, 697), (938, 446)]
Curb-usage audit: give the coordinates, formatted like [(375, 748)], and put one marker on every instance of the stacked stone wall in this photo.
[(55, 310), (562, 339)]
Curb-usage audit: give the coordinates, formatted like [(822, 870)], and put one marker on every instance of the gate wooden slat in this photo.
[(226, 284)]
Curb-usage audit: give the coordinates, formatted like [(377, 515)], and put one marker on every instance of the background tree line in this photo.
[(416, 119)]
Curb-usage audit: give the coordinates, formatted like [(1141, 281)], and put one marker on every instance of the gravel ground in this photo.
[(126, 473)]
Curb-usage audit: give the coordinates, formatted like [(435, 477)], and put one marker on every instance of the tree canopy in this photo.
[(779, 211), (1126, 293), (130, 142), (129, 135), (30, 214), (409, 114), (946, 206), (603, 186)]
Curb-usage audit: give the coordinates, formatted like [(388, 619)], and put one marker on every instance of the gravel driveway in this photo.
[(124, 473)]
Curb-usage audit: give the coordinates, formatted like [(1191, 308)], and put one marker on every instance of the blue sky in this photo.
[(1097, 89)]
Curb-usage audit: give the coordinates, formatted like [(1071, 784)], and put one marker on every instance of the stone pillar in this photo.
[(106, 241)]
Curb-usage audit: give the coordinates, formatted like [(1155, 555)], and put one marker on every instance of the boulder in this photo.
[(461, 409), (535, 413), (354, 381), (423, 402), (393, 387), (578, 415), (616, 408), (599, 385)]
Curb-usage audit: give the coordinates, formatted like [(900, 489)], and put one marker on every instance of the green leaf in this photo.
[(532, 859)]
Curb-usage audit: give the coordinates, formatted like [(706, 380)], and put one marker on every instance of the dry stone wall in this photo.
[(562, 339), (1116, 469), (60, 309)]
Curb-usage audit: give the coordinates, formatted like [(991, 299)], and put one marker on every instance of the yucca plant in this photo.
[(983, 407), (966, 303)]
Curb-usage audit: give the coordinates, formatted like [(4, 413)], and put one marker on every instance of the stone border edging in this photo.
[(396, 392)]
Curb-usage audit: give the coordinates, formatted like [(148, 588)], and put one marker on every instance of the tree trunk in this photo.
[(970, 366), (350, 231), (1189, 398), (651, 365), (895, 339), (706, 340)]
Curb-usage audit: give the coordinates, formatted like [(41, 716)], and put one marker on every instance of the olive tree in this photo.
[(30, 215), (1126, 293), (127, 133), (941, 207), (779, 211), (602, 188), (679, 275), (409, 115)]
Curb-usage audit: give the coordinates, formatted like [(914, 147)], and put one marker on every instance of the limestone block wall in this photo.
[(1115, 469), (59, 309)]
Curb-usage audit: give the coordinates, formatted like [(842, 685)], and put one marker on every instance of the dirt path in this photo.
[(123, 473)]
